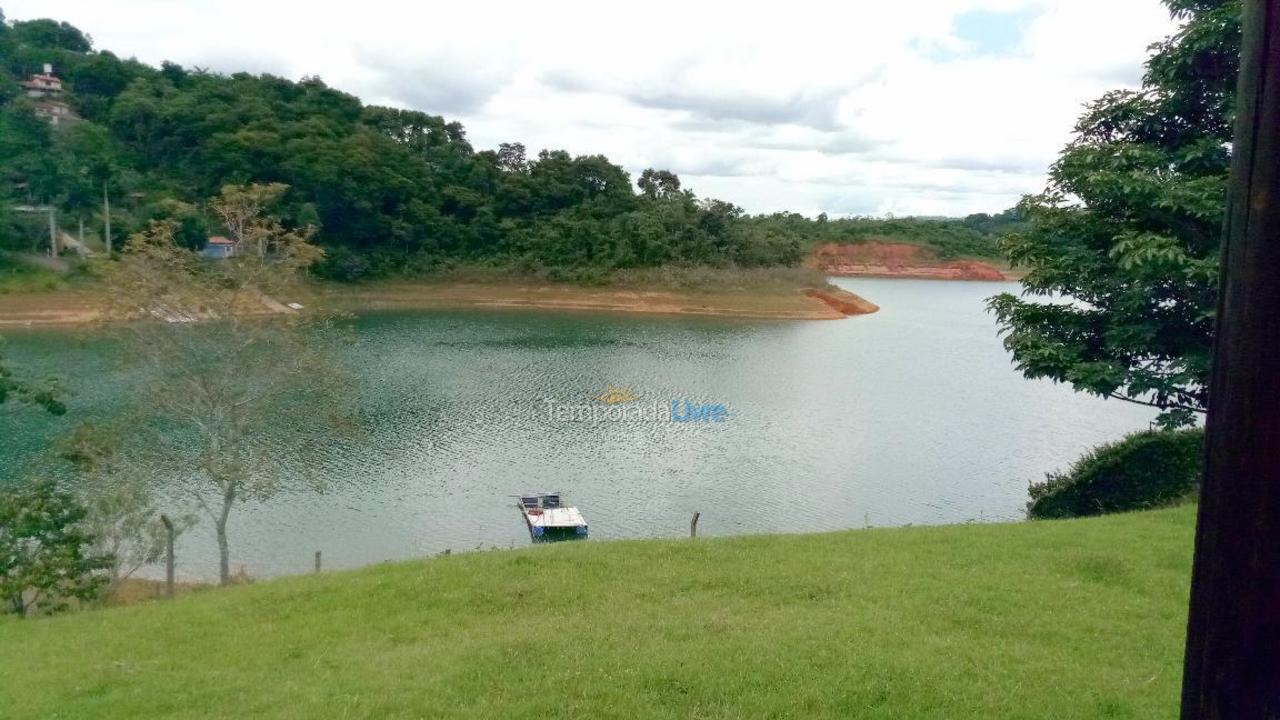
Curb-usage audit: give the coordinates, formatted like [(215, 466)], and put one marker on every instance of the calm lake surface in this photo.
[(911, 415)]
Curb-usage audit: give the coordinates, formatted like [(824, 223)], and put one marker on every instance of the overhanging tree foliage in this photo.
[(1122, 247)]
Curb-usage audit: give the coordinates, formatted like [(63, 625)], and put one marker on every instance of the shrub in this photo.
[(1144, 470), (46, 556)]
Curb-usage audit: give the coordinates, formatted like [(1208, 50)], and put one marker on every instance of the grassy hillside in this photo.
[(1061, 619)]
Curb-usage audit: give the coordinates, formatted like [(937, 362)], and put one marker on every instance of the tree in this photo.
[(658, 183), (89, 159), (27, 154), (46, 556), (9, 87), (1127, 233), (242, 209), (121, 511), (51, 34), (511, 158), (228, 358)]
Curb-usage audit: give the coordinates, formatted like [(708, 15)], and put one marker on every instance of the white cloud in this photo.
[(862, 107)]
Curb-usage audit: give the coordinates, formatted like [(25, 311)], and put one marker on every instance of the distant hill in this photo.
[(392, 192), (975, 236)]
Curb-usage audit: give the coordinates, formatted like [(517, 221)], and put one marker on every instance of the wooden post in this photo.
[(168, 556), (317, 561), (1232, 664), (693, 525)]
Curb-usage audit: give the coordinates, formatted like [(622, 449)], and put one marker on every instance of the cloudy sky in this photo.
[(865, 107)]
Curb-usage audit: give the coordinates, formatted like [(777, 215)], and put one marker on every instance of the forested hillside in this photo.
[(390, 191), (974, 236)]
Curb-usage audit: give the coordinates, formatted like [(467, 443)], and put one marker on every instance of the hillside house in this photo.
[(46, 91), (219, 247), (44, 84)]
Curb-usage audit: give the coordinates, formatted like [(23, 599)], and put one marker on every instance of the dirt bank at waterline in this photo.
[(79, 307), (897, 260), (791, 304), (55, 307), (843, 301)]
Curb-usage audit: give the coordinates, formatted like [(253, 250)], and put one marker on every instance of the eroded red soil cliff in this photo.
[(881, 259)]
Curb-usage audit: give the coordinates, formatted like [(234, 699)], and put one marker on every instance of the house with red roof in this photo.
[(46, 91), (219, 247)]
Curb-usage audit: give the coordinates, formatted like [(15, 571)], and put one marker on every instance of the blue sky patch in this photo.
[(993, 32)]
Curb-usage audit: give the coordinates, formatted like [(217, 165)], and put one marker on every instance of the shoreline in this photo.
[(925, 273), (73, 308), (765, 304)]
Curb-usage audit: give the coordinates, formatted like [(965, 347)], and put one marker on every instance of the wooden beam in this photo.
[(1232, 665)]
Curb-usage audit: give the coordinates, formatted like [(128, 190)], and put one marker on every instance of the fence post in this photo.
[(317, 561), (168, 556), (693, 525)]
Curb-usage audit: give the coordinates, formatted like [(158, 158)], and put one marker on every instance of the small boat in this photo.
[(550, 520)]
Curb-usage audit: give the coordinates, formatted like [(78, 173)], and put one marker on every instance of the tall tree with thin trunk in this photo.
[(242, 209), (241, 386)]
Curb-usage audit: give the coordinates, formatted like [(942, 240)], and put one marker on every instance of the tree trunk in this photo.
[(224, 550), (1232, 667), (168, 556), (106, 216)]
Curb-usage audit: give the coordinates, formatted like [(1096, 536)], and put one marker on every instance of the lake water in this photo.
[(912, 415)]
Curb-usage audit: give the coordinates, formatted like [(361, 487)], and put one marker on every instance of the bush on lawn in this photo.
[(1144, 470)]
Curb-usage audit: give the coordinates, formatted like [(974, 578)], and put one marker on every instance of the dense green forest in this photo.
[(974, 236), (390, 191)]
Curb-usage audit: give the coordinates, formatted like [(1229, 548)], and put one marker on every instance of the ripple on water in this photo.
[(911, 415)]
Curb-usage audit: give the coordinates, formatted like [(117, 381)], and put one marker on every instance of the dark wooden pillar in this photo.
[(1232, 669)]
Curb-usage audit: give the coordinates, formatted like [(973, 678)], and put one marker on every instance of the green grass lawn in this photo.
[(1052, 619)]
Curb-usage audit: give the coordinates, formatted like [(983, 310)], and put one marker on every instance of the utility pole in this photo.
[(53, 233), (106, 214), (1232, 664)]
